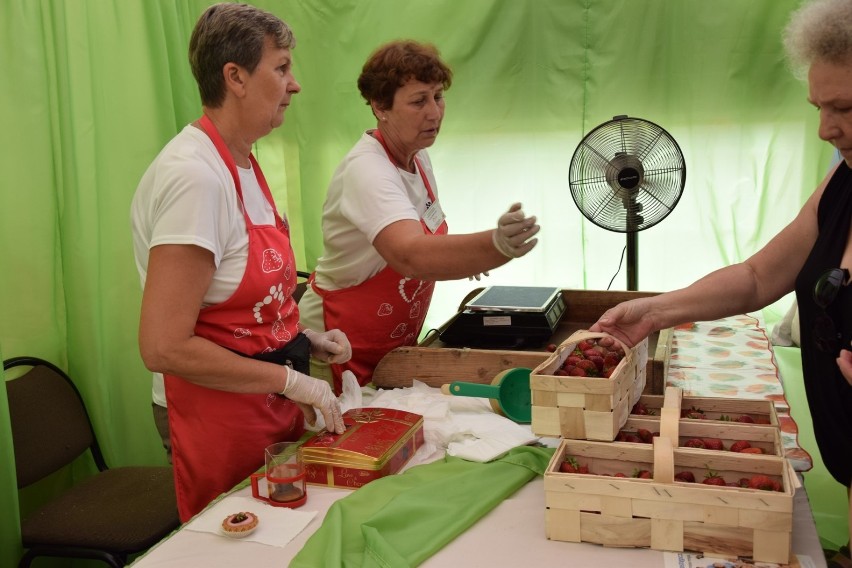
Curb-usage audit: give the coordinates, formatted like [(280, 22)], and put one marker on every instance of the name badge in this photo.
[(434, 216)]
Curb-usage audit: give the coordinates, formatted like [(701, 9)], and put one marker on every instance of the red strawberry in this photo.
[(713, 444), (686, 476), (590, 368), (551, 347), (693, 412), (745, 419), (751, 451), (739, 446), (585, 344), (713, 478), (645, 435), (572, 360), (633, 438), (611, 360), (619, 474), (639, 409), (607, 373), (762, 420), (561, 373), (598, 361), (761, 482), (694, 443), (642, 473), (577, 372), (571, 465)]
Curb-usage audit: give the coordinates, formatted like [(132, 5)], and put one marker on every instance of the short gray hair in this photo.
[(820, 30), (231, 33)]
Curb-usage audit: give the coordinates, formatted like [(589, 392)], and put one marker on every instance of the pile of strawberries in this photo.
[(643, 436), (698, 414), (640, 409), (757, 481), (590, 359)]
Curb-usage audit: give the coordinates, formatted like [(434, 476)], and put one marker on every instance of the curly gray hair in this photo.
[(820, 30)]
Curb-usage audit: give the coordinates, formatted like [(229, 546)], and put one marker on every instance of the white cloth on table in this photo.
[(466, 427)]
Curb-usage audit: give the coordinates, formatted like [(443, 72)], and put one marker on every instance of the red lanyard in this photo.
[(378, 135)]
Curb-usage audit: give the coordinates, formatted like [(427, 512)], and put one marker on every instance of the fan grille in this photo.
[(627, 175)]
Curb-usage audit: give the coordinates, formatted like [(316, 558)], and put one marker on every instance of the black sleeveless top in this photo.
[(829, 394)]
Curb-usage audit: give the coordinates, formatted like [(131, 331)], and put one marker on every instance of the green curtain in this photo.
[(93, 89)]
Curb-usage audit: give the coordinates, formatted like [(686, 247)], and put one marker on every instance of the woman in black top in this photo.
[(812, 255)]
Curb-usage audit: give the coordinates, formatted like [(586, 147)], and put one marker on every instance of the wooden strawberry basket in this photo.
[(715, 409), (663, 513), (767, 438), (590, 408)]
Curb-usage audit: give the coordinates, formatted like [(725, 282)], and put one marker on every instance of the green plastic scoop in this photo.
[(509, 392)]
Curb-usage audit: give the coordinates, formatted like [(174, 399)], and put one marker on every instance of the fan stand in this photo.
[(632, 262)]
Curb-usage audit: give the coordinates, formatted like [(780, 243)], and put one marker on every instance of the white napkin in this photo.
[(276, 525), (467, 427)]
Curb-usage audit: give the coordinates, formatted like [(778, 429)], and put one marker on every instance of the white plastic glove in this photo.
[(514, 232), (350, 398), (314, 393), (329, 346)]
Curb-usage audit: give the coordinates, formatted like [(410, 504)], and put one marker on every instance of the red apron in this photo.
[(218, 437), (380, 314)]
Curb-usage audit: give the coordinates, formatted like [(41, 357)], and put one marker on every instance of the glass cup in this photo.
[(285, 476)]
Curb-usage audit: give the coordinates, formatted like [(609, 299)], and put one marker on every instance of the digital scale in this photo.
[(506, 317)]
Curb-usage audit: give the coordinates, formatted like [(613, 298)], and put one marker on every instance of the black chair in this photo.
[(108, 516)]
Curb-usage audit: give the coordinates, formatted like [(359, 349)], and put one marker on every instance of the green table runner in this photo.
[(401, 520)]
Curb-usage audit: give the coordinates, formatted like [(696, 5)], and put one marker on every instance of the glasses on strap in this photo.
[(825, 334)]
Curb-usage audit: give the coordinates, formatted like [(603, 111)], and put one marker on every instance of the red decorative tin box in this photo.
[(377, 442)]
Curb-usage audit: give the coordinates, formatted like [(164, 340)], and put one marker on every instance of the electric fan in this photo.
[(627, 175)]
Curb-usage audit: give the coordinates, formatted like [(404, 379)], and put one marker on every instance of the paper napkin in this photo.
[(276, 525)]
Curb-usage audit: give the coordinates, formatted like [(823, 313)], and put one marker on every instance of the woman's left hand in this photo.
[(844, 361), (329, 346)]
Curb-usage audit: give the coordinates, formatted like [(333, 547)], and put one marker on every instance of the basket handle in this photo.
[(670, 414), (663, 460), (582, 334)]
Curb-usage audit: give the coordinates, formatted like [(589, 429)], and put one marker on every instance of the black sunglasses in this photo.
[(826, 288)]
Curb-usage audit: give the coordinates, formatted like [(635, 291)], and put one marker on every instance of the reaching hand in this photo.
[(844, 361), (329, 346), (315, 393), (514, 234), (628, 321)]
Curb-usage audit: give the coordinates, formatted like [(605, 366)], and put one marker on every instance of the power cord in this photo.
[(620, 261)]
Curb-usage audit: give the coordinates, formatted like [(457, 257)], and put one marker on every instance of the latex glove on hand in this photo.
[(310, 393), (350, 398), (329, 346), (514, 234)]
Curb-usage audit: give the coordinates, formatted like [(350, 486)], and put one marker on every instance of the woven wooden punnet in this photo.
[(586, 408), (767, 438), (665, 514), (761, 411)]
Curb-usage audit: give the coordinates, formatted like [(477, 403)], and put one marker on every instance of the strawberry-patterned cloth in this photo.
[(732, 358)]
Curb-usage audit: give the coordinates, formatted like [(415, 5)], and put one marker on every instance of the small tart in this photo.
[(239, 524)]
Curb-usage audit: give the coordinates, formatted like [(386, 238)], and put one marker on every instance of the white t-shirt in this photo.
[(366, 194), (187, 196)]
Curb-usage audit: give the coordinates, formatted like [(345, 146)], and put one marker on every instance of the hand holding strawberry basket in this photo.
[(585, 390)]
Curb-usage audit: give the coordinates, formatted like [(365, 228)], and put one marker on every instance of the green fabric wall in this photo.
[(93, 89)]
